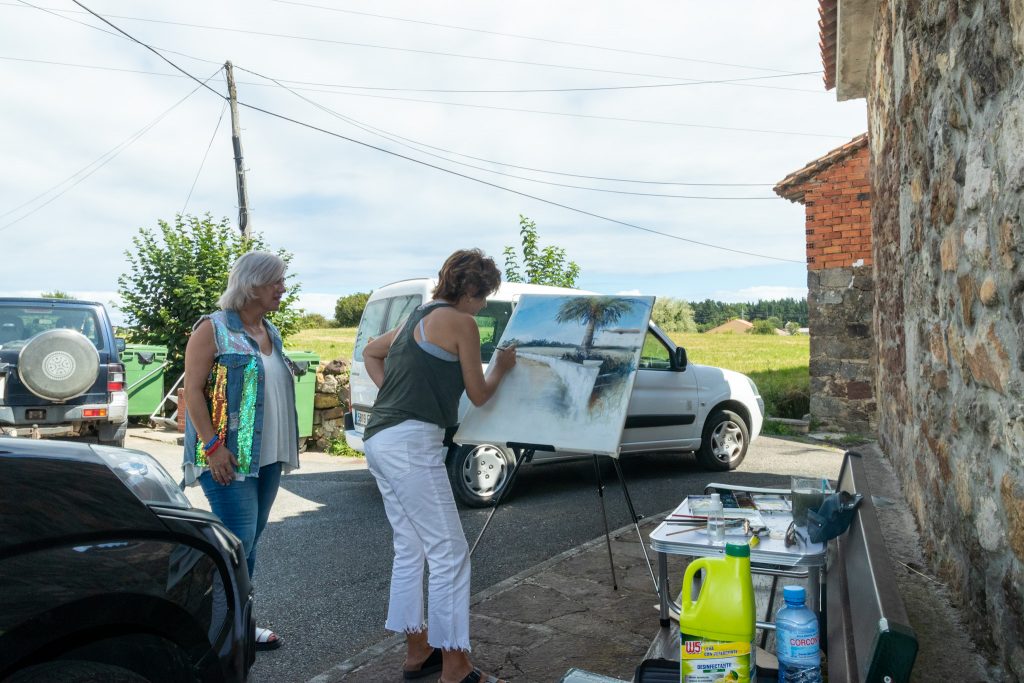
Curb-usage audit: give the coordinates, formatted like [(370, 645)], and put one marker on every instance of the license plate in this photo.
[(361, 419)]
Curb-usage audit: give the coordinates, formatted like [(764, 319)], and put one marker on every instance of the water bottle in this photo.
[(796, 639), (716, 520)]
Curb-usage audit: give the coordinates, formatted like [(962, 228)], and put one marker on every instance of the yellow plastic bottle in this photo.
[(717, 629)]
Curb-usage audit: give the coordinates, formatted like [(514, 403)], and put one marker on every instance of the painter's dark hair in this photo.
[(467, 272)]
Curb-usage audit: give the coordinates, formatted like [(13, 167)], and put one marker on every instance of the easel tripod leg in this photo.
[(604, 516), (520, 458), (635, 518)]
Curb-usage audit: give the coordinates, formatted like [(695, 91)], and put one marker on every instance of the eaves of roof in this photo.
[(792, 186)]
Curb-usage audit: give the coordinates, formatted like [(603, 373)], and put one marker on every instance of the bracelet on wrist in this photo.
[(210, 444), (216, 445)]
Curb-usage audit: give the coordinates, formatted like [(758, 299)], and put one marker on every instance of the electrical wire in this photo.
[(524, 37), (436, 53), (90, 168), (390, 136), (450, 171), (205, 154), (102, 30)]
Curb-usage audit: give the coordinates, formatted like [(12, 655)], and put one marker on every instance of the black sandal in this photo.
[(431, 665)]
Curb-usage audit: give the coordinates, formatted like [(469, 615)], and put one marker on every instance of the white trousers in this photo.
[(407, 461)]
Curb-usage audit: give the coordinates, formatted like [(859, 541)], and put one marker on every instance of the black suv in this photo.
[(109, 574), (60, 370)]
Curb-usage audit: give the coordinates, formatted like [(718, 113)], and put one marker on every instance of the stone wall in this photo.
[(840, 304), (330, 403), (946, 128)]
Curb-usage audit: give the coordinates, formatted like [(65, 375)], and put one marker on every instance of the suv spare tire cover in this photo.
[(58, 365)]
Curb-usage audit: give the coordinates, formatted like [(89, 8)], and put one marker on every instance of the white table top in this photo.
[(695, 543)]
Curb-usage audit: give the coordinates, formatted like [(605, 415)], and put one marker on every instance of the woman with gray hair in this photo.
[(241, 428)]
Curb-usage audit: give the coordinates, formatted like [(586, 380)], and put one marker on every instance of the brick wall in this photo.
[(838, 205)]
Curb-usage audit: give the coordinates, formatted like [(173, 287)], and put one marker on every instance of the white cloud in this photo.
[(759, 293)]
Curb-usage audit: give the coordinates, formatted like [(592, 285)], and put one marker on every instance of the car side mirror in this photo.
[(679, 358), (119, 344)]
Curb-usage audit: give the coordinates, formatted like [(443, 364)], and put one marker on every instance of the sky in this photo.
[(394, 132)]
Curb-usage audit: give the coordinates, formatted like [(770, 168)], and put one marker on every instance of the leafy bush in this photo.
[(763, 327), (339, 446), (793, 327), (673, 315), (349, 309), (547, 266), (176, 275), (314, 321)]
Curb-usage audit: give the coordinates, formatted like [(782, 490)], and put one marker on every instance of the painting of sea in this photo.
[(577, 358)]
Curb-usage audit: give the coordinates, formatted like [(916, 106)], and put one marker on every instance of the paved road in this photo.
[(324, 563)]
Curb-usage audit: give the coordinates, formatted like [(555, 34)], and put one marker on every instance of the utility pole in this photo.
[(236, 144)]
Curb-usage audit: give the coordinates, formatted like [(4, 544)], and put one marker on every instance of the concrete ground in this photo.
[(563, 613)]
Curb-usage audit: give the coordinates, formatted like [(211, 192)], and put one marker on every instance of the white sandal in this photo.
[(267, 639)]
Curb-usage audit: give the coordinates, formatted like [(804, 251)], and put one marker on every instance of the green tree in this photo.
[(56, 294), (177, 273), (595, 312), (763, 327), (314, 321), (547, 266), (673, 315), (349, 309), (793, 327)]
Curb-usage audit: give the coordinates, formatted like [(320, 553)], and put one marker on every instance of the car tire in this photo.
[(479, 473), (75, 671), (724, 441), (58, 365)]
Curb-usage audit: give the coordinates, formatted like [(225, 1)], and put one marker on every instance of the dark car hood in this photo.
[(56, 490)]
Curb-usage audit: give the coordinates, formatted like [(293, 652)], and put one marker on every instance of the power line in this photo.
[(397, 139), (524, 37), (392, 89), (456, 173), (278, 82), (101, 29), (374, 46), (205, 154), (90, 168)]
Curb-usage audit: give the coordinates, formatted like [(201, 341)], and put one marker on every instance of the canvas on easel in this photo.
[(577, 357)]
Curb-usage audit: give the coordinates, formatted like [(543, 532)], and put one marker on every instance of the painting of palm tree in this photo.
[(596, 312), (577, 358)]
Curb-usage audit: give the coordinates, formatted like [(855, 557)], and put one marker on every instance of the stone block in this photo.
[(329, 385), (322, 401), (335, 367), (836, 278), (331, 414)]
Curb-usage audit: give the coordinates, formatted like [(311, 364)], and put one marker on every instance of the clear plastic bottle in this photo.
[(797, 643), (716, 520)]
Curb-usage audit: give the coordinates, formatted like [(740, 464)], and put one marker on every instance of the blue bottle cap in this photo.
[(794, 594)]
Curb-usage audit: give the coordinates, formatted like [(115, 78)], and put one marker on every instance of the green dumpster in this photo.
[(305, 388), (144, 377)]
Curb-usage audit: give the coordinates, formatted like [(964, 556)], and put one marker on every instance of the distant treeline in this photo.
[(678, 315)]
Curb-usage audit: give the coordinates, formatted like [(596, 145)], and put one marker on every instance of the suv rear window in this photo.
[(21, 323)]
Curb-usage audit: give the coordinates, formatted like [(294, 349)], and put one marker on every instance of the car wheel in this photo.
[(723, 444), (58, 365), (75, 671), (479, 473)]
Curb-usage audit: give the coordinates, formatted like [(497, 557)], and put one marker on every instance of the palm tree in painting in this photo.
[(595, 312)]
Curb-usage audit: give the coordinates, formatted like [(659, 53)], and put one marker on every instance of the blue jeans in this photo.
[(244, 505)]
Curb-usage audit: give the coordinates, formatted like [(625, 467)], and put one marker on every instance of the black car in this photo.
[(107, 573), (60, 371)]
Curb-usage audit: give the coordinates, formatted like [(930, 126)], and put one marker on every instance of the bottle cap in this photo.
[(738, 550), (794, 594)]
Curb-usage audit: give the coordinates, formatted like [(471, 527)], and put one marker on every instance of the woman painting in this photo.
[(422, 367), (241, 428)]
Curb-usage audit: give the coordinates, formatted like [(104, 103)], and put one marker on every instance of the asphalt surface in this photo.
[(323, 565)]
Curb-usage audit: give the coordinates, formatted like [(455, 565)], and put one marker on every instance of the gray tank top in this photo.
[(278, 442), (417, 385)]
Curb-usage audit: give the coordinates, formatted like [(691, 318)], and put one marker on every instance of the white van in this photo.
[(675, 405)]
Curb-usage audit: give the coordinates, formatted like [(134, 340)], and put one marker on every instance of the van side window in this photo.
[(655, 355), (491, 321), (401, 308), (370, 325)]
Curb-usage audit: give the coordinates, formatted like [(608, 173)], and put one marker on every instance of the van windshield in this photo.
[(491, 321)]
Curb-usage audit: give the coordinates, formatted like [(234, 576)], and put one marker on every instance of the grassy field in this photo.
[(777, 364)]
